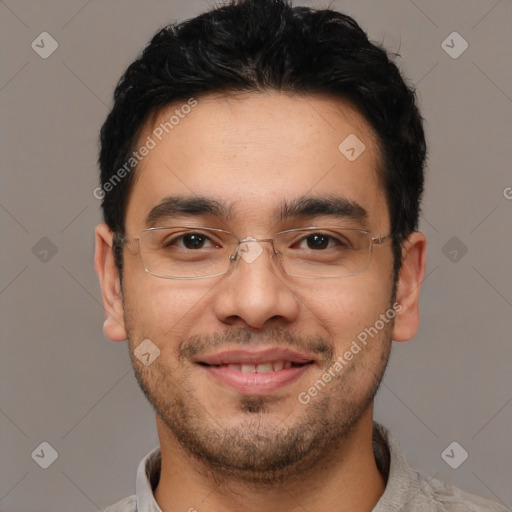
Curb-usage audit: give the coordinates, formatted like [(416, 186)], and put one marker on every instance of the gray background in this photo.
[(62, 382)]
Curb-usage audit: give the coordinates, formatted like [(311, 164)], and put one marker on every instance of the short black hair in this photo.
[(263, 45)]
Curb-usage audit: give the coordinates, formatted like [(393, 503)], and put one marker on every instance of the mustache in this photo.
[(314, 344)]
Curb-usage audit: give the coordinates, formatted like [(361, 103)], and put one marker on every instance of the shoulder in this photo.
[(128, 504), (410, 490), (449, 498)]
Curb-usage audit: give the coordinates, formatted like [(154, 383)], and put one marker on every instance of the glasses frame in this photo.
[(119, 240)]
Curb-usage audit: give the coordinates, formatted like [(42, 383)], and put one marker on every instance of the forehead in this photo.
[(254, 153)]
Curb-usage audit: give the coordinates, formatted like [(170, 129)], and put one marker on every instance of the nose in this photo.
[(255, 292)]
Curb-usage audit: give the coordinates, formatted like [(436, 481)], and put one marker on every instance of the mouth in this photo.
[(256, 373), (271, 366)]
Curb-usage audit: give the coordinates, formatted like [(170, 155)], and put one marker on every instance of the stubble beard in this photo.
[(256, 451)]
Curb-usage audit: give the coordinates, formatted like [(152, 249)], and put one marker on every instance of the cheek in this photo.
[(346, 307), (162, 310)]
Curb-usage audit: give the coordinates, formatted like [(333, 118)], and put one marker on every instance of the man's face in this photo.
[(252, 154)]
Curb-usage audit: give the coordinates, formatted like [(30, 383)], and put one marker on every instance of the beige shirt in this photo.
[(407, 490)]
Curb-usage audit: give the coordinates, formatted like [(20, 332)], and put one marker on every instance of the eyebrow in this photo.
[(196, 206), (320, 206), (305, 207)]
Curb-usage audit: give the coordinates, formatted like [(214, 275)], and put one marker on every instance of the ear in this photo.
[(106, 269), (411, 277)]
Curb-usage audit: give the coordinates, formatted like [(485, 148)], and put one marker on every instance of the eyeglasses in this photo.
[(188, 252)]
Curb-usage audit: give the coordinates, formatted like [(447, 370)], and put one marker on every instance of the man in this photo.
[(261, 173)]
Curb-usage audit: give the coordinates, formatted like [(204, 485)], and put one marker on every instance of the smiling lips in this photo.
[(256, 373), (273, 366)]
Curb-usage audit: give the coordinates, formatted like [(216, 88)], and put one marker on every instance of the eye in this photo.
[(190, 241), (321, 241)]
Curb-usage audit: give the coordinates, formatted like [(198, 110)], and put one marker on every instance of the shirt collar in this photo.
[(148, 475), (392, 464)]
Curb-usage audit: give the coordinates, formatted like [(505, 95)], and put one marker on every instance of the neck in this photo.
[(344, 479)]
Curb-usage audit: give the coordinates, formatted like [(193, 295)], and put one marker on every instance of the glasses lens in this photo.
[(324, 252), (186, 253)]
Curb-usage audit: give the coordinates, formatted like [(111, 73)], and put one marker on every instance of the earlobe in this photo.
[(108, 274), (409, 284)]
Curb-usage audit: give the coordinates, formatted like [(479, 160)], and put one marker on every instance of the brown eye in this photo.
[(318, 241), (191, 241), (194, 241)]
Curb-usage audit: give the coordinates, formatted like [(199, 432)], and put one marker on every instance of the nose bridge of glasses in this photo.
[(252, 239), (249, 252)]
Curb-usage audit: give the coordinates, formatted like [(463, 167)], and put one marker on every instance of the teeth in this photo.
[(260, 368), (264, 368)]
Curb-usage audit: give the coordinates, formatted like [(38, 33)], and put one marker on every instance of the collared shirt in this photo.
[(407, 490)]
